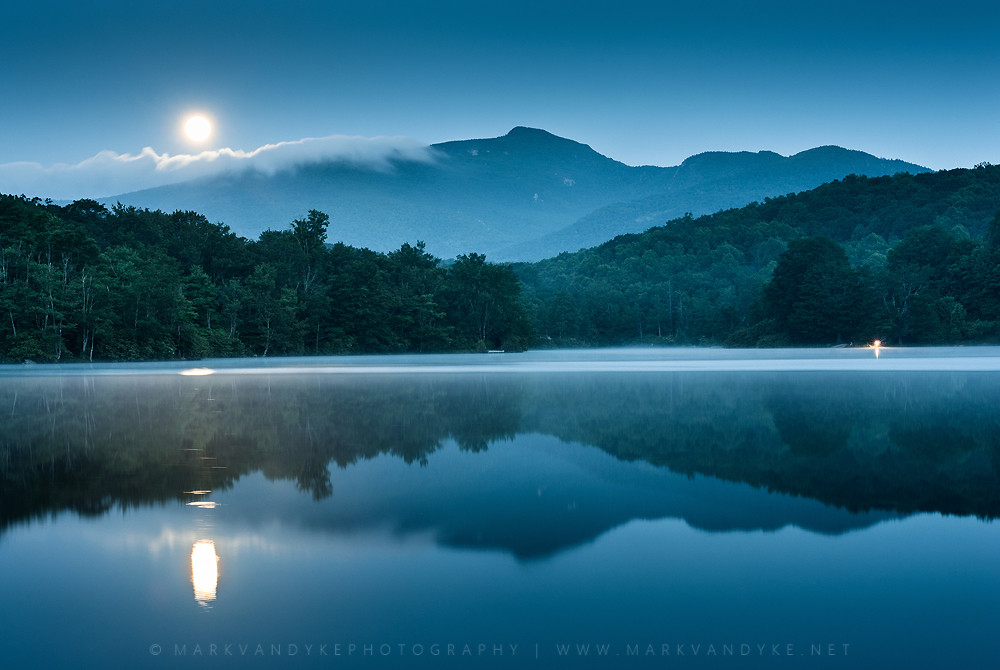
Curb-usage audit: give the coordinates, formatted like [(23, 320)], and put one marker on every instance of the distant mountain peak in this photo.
[(524, 132), (829, 148), (536, 137), (706, 157), (522, 141), (831, 151)]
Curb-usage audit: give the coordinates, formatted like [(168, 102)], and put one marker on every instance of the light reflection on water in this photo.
[(204, 572), (569, 499)]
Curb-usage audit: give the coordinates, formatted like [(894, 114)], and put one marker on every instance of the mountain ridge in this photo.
[(521, 196), (735, 179)]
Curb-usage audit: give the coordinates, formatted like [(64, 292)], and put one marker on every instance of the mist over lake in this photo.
[(602, 508), (454, 336)]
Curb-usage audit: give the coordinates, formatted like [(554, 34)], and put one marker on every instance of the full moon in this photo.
[(198, 128)]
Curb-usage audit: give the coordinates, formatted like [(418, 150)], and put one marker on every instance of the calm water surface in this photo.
[(618, 508)]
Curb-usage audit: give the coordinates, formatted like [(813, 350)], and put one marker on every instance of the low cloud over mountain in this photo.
[(109, 172)]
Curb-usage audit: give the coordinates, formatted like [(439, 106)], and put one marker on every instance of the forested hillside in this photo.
[(909, 259), (82, 282)]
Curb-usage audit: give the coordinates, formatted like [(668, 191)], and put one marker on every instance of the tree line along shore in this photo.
[(908, 259)]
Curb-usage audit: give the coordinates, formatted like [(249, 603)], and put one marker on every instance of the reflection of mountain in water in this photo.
[(538, 496), (893, 444), (906, 441)]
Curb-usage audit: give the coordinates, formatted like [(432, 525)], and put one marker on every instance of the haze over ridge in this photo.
[(522, 196)]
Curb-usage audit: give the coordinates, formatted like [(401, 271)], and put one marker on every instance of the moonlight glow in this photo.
[(198, 128), (204, 571)]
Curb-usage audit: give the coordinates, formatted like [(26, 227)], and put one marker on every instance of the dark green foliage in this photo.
[(908, 259), (814, 296), (82, 282), (415, 283), (483, 300)]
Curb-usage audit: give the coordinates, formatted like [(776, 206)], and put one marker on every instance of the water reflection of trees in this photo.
[(89, 444), (905, 442)]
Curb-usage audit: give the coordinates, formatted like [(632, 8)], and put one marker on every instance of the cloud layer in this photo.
[(109, 173)]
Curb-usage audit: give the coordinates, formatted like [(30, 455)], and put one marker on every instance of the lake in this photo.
[(610, 508)]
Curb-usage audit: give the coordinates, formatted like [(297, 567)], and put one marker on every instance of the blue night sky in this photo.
[(641, 82)]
